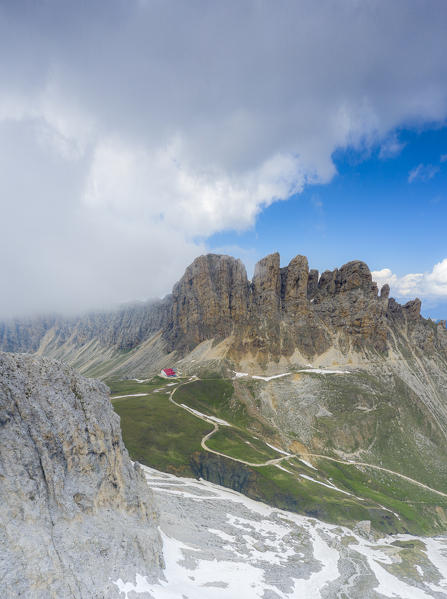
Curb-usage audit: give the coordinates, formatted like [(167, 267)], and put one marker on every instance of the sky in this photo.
[(136, 135)]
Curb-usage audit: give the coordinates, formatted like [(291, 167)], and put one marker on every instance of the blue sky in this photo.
[(369, 211), (136, 135)]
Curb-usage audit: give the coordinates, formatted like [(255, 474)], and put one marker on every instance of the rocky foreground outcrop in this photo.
[(75, 513)]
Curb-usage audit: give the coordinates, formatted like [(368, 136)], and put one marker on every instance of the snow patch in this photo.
[(436, 550), (210, 579), (213, 418), (279, 450), (321, 371), (389, 585), (141, 586), (308, 464), (319, 482), (328, 558), (269, 378), (229, 546), (282, 468)]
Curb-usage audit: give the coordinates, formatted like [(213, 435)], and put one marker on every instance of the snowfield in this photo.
[(219, 544)]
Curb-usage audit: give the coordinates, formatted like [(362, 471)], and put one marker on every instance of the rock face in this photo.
[(296, 283), (286, 309), (266, 287), (209, 300), (75, 513)]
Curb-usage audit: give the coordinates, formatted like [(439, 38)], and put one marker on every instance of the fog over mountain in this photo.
[(131, 132)]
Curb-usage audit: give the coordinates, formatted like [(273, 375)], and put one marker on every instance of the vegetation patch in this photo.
[(416, 507), (130, 386), (159, 434), (241, 445), (298, 494), (214, 397)]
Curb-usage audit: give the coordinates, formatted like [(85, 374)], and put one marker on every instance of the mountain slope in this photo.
[(92, 342)]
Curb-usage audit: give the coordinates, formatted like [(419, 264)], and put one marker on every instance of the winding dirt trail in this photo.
[(214, 431), (275, 461), (365, 465)]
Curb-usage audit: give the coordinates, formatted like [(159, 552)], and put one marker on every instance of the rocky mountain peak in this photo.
[(351, 276), (266, 284), (413, 309), (296, 279), (283, 309), (267, 268), (385, 291), (356, 275)]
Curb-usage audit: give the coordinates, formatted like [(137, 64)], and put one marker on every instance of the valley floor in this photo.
[(219, 544)]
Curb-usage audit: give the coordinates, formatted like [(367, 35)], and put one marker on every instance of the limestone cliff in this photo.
[(75, 513), (208, 301), (287, 309)]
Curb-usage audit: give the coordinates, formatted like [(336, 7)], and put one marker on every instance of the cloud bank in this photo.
[(428, 284), (130, 131)]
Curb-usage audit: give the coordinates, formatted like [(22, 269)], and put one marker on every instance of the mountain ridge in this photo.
[(279, 311)]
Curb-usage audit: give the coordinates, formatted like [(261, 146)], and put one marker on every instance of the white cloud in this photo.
[(391, 147), (422, 172), (130, 133), (428, 284), (158, 187), (437, 279), (61, 125)]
